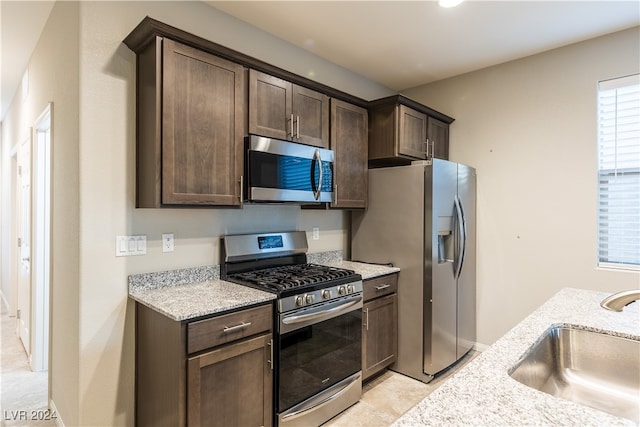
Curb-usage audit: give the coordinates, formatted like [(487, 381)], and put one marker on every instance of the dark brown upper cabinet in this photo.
[(191, 109), (349, 133), (281, 109), (438, 135), (402, 130), (194, 107)]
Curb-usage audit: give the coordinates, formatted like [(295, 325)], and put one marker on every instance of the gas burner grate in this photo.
[(292, 276)]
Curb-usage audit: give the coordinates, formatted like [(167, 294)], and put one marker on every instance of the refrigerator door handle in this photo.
[(462, 237)]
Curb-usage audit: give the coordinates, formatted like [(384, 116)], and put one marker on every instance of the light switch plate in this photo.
[(131, 245)]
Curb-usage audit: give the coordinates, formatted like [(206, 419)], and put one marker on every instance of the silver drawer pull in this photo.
[(228, 329), (381, 287)]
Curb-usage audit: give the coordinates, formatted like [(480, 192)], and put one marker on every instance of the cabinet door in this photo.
[(311, 117), (412, 133), (270, 111), (202, 127), (438, 135), (232, 385), (349, 142), (380, 334)]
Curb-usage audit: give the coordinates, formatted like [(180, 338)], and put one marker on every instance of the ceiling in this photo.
[(21, 23), (395, 43), (402, 44)]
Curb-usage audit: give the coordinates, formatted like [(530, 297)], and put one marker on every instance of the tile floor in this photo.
[(385, 398), (23, 393)]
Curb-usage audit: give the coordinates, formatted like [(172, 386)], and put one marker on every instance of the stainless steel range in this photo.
[(318, 318)]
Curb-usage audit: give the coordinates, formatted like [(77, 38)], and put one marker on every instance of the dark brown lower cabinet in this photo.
[(214, 371), (231, 386), (379, 324)]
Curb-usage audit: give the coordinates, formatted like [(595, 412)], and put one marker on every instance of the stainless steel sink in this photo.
[(594, 369)]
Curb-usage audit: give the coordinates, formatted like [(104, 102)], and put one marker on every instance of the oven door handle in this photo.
[(312, 316)]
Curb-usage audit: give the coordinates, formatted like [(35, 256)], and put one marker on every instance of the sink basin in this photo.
[(594, 369)]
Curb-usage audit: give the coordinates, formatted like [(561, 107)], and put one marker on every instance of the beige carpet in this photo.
[(23, 393)]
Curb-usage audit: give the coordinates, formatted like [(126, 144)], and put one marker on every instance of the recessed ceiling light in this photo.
[(449, 3)]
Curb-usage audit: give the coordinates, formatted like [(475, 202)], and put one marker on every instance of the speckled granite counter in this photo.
[(193, 292), (367, 271), (335, 259), (482, 393)]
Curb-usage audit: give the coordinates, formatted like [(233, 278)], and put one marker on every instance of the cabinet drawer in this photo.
[(379, 286), (209, 333)]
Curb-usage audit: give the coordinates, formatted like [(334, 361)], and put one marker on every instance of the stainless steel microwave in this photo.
[(283, 171)]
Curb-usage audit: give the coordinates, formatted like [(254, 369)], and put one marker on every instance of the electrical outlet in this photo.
[(167, 242), (316, 233)]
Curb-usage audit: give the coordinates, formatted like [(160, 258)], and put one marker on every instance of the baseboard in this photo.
[(54, 411)]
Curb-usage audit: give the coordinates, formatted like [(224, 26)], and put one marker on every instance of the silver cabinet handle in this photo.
[(270, 344), (291, 121), (298, 127), (381, 287), (242, 325), (366, 324), (335, 201)]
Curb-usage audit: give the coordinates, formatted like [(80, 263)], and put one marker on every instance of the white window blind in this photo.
[(619, 172)]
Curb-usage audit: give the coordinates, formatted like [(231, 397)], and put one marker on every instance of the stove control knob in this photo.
[(351, 289), (300, 301), (326, 294), (308, 299), (342, 290)]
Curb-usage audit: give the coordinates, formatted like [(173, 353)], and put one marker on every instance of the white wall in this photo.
[(529, 127), (53, 76), (100, 202)]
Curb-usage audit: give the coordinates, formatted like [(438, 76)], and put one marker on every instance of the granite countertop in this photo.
[(367, 271), (482, 393), (188, 301), (194, 292)]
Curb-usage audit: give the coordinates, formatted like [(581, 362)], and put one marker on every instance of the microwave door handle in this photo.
[(319, 176), (316, 189)]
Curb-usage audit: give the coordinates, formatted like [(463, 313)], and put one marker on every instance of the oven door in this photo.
[(288, 172), (320, 361)]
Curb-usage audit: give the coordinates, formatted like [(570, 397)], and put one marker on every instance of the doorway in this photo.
[(33, 217), (23, 314)]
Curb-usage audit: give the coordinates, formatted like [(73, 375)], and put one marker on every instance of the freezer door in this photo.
[(441, 250), (467, 278), (391, 231)]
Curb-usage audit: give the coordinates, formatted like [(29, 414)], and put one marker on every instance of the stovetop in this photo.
[(293, 279), (277, 263)]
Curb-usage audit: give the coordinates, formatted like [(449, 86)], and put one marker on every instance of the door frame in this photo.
[(41, 238)]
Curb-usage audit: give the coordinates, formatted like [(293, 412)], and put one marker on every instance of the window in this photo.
[(619, 172)]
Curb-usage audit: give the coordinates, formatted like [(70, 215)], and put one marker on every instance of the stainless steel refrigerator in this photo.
[(421, 218)]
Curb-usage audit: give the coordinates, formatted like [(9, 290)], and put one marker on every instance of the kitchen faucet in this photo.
[(617, 301)]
